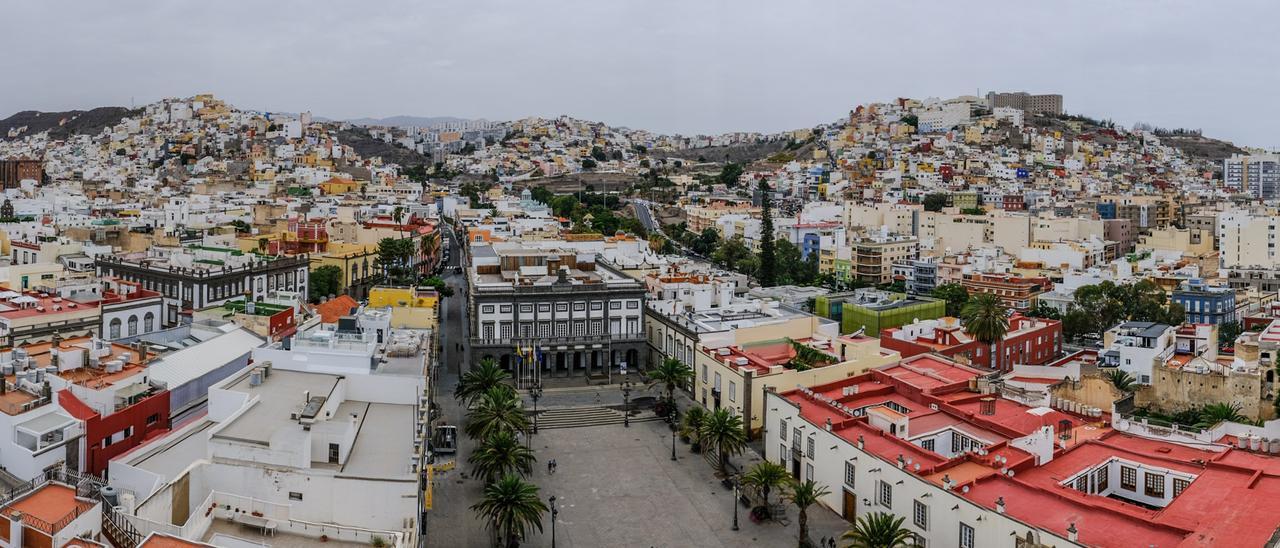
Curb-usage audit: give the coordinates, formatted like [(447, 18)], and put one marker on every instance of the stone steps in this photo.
[(579, 417)]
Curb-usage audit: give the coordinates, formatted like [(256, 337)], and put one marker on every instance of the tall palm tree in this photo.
[(477, 381), (878, 530), (429, 245), (766, 476), (511, 507), (987, 319), (499, 410), (1215, 413), (803, 495), (723, 433), (397, 215), (672, 373), (501, 455)]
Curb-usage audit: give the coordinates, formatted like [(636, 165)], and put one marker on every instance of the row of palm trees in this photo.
[(495, 418), (723, 433)]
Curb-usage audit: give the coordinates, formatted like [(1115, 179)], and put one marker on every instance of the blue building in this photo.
[(1107, 210), (1206, 304)]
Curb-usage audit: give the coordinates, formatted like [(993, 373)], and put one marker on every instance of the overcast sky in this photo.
[(670, 66)]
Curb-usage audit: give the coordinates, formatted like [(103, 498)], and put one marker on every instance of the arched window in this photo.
[(114, 330), (148, 322), (133, 326)]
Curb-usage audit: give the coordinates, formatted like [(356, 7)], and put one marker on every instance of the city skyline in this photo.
[(669, 69)]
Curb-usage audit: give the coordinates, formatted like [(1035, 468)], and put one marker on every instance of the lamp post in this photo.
[(626, 404), (535, 392), (554, 512), (736, 483), (673, 418)]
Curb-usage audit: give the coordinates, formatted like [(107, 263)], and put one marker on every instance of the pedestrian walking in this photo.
[(554, 465), (550, 464)]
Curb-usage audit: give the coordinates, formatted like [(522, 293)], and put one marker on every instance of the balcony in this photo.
[(551, 340)]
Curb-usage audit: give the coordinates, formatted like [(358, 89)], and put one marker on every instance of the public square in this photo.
[(618, 487)]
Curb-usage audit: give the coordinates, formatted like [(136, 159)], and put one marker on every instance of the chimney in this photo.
[(828, 425), (946, 481), (902, 463), (1073, 534), (861, 442), (15, 529), (1000, 505), (988, 406)]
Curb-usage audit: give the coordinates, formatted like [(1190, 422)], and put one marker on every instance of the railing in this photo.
[(551, 340)]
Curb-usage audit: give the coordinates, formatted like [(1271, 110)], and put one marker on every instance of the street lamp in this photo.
[(673, 418), (626, 404), (535, 392), (736, 483), (554, 512)]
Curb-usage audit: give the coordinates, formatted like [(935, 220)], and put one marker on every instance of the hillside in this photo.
[(368, 147), (405, 121), (62, 124)]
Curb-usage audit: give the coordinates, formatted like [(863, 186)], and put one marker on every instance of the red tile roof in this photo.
[(335, 308)]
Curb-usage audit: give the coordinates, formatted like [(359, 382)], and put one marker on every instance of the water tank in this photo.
[(127, 502), (110, 494), (255, 377), (7, 369), (1242, 442), (1275, 446), (51, 370), (1254, 443)]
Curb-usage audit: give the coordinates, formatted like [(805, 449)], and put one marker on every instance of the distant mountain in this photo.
[(62, 124), (405, 121)]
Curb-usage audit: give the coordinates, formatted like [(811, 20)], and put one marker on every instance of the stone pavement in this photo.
[(617, 487)]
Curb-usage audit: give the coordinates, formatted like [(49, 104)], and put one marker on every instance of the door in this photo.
[(849, 509), (795, 468)]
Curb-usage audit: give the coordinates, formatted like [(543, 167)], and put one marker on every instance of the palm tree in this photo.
[(429, 245), (722, 433), (1215, 413), (499, 410), (765, 476), (397, 215), (692, 424), (878, 530), (501, 455), (673, 373), (803, 495), (987, 319), (479, 380), (1122, 380), (511, 507)]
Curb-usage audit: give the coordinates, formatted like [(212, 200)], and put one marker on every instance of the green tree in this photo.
[(541, 194), (954, 294), (729, 174), (397, 215), (428, 246), (324, 281), (723, 433), (498, 410), (588, 163), (501, 455), (731, 253), (598, 154), (1214, 413), (911, 120), (1044, 310), (691, 424), (987, 319), (394, 257), (511, 507), (438, 284), (787, 256), (477, 381), (1227, 333), (706, 242), (935, 201), (1076, 322), (803, 495), (768, 255), (1120, 379), (671, 374), (878, 530), (766, 476)]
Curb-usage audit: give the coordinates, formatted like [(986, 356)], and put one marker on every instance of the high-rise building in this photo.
[(1256, 174)]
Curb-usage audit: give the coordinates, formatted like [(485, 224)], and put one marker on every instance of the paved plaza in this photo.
[(618, 486)]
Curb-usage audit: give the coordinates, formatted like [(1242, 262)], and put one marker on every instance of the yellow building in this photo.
[(358, 263), (413, 307)]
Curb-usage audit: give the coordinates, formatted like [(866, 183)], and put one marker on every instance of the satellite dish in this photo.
[(965, 489)]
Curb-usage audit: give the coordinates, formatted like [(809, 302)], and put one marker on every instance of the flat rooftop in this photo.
[(50, 504), (280, 394)]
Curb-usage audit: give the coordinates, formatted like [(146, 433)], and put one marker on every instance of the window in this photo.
[(782, 424), (733, 391), (1082, 483), (562, 307), (1180, 485), (717, 383), (850, 473), (632, 305), (526, 309), (505, 330), (505, 309), (808, 449), (885, 494), (133, 325), (1128, 478), (920, 515), (1100, 480), (294, 495), (114, 329), (597, 327), (597, 305), (333, 453), (154, 418), (615, 305), (966, 536), (782, 453), (927, 444), (562, 329), (544, 308), (808, 471), (148, 322), (1154, 485), (579, 307), (486, 309)]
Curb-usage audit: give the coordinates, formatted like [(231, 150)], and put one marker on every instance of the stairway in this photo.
[(578, 417)]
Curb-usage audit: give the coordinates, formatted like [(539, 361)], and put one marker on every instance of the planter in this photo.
[(695, 447)]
